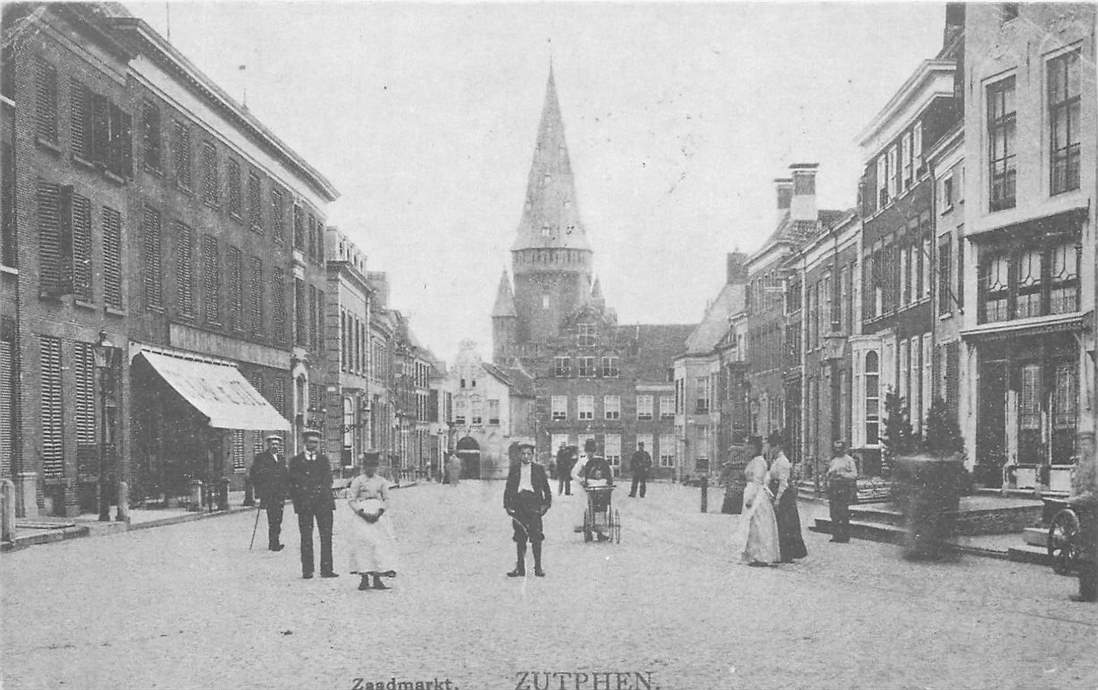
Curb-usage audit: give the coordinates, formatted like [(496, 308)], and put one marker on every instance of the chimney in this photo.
[(784, 187), (802, 207), (737, 268), (379, 281), (954, 23)]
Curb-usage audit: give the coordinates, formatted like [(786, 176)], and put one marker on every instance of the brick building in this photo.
[(593, 378)]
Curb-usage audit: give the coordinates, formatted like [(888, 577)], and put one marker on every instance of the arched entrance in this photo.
[(469, 451)]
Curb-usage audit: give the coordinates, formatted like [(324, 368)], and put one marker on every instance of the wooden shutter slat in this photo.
[(112, 258), (81, 248)]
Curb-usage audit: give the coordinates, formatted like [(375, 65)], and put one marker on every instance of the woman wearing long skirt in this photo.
[(790, 541), (372, 545), (762, 527)]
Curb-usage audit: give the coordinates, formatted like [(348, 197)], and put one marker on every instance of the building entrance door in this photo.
[(991, 423)]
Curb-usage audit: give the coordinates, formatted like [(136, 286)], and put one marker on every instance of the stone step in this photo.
[(1036, 536), (877, 513), (1029, 554), (869, 531)]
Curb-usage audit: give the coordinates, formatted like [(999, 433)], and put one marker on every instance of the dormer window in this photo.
[(585, 335)]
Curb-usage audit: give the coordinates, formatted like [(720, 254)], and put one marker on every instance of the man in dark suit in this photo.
[(311, 491), (526, 498), (270, 477), (566, 460), (640, 463)]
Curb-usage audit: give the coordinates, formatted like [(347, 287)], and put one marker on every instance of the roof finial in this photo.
[(550, 42)]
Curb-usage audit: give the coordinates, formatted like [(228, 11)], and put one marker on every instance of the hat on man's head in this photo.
[(273, 437), (310, 432), (371, 458), (521, 443)]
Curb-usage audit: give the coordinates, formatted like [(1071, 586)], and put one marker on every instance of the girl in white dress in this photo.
[(761, 548), (371, 541)]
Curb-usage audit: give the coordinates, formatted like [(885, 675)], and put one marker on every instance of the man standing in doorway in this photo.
[(270, 477), (640, 463), (842, 487), (311, 491)]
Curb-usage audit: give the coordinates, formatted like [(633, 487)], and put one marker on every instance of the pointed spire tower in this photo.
[(550, 256), (504, 321)]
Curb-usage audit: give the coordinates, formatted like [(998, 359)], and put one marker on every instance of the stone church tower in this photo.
[(550, 257)]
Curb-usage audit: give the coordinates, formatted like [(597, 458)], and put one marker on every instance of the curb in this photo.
[(81, 531)]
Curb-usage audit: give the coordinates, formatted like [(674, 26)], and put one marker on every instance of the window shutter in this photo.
[(84, 394), (50, 408), (45, 116), (101, 130), (150, 135), (236, 288), (81, 248), (255, 294), (209, 173), (119, 141), (152, 277), (301, 328), (310, 247), (255, 214), (277, 219), (299, 228), (233, 183), (124, 144), (184, 268), (278, 300), (7, 408), (211, 279), (311, 339), (181, 150), (112, 258), (80, 108)]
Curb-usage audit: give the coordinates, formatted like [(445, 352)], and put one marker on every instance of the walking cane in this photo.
[(258, 510)]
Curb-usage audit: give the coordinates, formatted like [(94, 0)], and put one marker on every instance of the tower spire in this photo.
[(505, 299), (550, 218)]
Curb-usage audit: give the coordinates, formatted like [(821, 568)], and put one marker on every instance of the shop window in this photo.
[(872, 399)]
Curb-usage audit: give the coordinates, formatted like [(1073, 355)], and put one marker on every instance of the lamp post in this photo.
[(103, 351)]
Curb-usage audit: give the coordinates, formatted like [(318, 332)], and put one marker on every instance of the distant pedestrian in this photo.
[(371, 541), (269, 475), (640, 464), (594, 464), (842, 487), (311, 491), (761, 543), (790, 541), (526, 498), (453, 469), (566, 459)]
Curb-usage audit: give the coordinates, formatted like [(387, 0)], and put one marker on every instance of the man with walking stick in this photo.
[(269, 476), (526, 498)]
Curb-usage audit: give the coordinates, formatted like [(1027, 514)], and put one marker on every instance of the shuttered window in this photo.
[(8, 423), (318, 340), (112, 258), (255, 294), (49, 239), (181, 153), (236, 287), (211, 279), (184, 268), (255, 213), (233, 187), (209, 174), (80, 125), (50, 408), (7, 204), (150, 135), (238, 450), (45, 100), (81, 249), (278, 305), (278, 216), (311, 341), (310, 249), (278, 394), (301, 330), (299, 228), (84, 393), (119, 159), (152, 279)]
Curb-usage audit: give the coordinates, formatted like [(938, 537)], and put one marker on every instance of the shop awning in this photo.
[(219, 392)]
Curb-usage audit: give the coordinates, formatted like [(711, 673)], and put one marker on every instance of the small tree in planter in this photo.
[(898, 439)]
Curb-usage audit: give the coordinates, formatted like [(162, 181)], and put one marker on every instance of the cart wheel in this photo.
[(617, 527), (1062, 534), (587, 536)]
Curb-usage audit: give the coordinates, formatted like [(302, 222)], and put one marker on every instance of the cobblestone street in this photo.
[(188, 606)]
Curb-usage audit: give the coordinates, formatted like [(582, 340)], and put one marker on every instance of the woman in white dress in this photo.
[(372, 545), (761, 547)]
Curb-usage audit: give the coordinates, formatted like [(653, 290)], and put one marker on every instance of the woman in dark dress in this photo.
[(790, 541)]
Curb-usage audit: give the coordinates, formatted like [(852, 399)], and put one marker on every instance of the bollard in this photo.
[(7, 518), (249, 493), (196, 495), (122, 513), (705, 494), (223, 494)]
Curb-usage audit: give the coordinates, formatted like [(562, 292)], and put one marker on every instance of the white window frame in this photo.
[(611, 407), (668, 444), (667, 407), (645, 402), (611, 450), (558, 408), (585, 408)]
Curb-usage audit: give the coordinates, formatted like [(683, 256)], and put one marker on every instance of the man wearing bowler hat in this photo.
[(270, 477), (311, 491), (526, 498)]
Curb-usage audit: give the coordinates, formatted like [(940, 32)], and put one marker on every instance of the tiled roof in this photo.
[(657, 346)]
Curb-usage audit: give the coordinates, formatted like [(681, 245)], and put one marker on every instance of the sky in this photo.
[(677, 117)]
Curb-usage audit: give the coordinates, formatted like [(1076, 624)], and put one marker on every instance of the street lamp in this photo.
[(103, 351)]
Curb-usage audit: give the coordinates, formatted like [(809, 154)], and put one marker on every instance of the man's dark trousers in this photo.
[(274, 522), (324, 526), (839, 505), (639, 477)]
